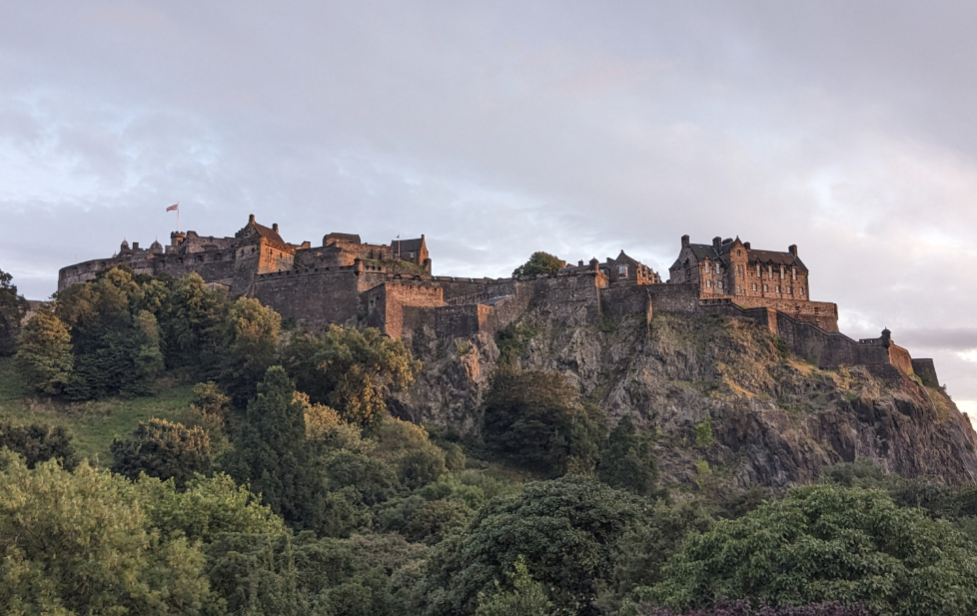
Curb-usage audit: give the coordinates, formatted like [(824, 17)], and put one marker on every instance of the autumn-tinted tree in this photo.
[(827, 543), (351, 370), (13, 308), (44, 358), (162, 449), (39, 443), (535, 420), (539, 263), (628, 461), (250, 342)]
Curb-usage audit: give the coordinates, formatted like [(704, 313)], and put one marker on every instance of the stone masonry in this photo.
[(390, 286)]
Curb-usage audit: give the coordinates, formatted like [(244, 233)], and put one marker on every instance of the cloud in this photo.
[(506, 128)]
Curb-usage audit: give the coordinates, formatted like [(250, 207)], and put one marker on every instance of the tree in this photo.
[(628, 461), (539, 263), (13, 308), (80, 543), (272, 452), (163, 449), (568, 530), (535, 420), (250, 342), (352, 371), (527, 597), (39, 443), (44, 359), (824, 543), (192, 319)]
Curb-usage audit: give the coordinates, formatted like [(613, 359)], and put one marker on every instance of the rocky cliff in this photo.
[(775, 419)]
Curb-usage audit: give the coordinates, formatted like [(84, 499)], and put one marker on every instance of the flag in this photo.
[(175, 206)]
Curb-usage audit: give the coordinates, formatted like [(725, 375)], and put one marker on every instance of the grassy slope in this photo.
[(93, 424)]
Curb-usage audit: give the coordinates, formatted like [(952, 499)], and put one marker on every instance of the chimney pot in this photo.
[(746, 245), (792, 249), (250, 218), (274, 227), (717, 241), (685, 241)]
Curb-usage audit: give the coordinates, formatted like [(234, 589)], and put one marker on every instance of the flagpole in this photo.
[(177, 216)]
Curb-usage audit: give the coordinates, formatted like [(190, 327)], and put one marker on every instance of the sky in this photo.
[(501, 128)]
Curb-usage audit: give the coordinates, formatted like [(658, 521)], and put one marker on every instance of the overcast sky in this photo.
[(501, 128)]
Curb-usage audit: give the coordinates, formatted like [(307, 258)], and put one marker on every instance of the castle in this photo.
[(391, 287)]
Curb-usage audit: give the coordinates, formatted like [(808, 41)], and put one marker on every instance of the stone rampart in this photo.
[(675, 297), (822, 314), (925, 369), (314, 298)]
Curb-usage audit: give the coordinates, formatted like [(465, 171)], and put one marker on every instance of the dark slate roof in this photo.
[(407, 245), (271, 235), (773, 257)]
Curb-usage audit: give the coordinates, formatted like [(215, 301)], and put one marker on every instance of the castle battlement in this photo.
[(390, 286)]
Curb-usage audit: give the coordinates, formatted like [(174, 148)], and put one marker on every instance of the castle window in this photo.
[(769, 271), (708, 284), (800, 291), (754, 286), (758, 269), (781, 272), (622, 270), (793, 273), (790, 290), (778, 288), (765, 288), (720, 285)]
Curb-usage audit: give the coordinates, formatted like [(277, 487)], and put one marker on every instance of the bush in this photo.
[(535, 420), (827, 543), (39, 443), (162, 449)]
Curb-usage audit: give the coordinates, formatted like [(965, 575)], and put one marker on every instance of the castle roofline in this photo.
[(720, 252)]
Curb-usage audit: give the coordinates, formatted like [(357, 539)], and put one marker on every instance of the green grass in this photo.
[(92, 424)]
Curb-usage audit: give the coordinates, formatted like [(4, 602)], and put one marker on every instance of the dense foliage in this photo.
[(285, 486), (13, 308), (828, 543), (536, 420), (539, 263), (163, 449), (352, 371)]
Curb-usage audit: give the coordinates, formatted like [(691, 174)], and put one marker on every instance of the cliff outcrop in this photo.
[(775, 419)]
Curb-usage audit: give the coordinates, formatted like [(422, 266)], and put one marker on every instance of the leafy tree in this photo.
[(39, 443), (352, 371), (371, 479), (163, 449), (405, 445), (743, 608), (192, 319), (535, 420), (539, 263), (568, 530), (13, 308), (249, 345), (272, 452), (527, 597), (211, 402), (207, 508), (44, 359), (423, 521), (827, 543), (79, 543), (628, 461), (116, 345)]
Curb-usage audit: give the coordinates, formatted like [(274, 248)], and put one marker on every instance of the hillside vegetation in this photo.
[(166, 449)]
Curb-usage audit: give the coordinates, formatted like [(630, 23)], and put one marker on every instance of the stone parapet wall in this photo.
[(822, 314)]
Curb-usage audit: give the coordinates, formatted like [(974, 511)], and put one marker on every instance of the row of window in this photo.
[(766, 288), (740, 271)]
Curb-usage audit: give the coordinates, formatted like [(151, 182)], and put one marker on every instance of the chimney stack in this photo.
[(746, 245), (250, 218), (792, 249), (717, 241), (274, 227), (685, 241)]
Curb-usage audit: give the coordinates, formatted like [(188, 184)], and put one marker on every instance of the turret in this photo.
[(176, 238)]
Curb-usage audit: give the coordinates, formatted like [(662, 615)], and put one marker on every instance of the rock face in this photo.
[(775, 419)]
